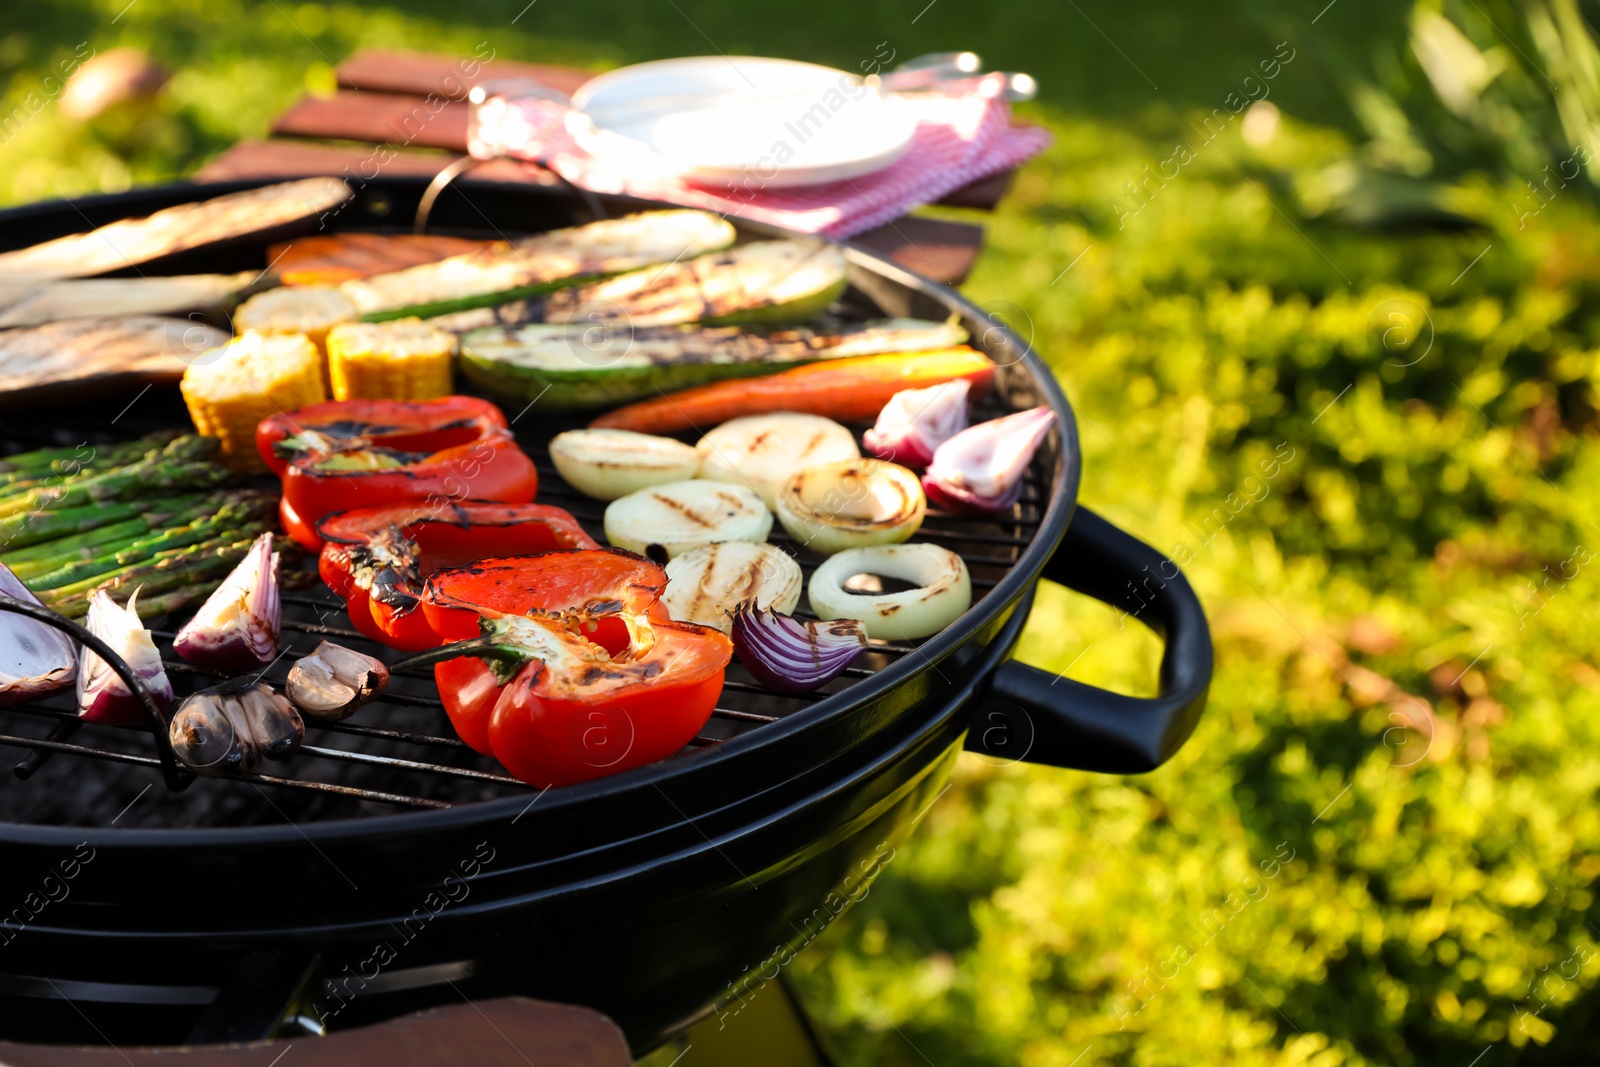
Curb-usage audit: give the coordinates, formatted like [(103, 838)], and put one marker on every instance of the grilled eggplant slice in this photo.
[(29, 304), (69, 356), (573, 366), (129, 242), (538, 264)]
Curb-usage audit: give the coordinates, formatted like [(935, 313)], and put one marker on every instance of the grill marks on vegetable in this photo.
[(686, 511)]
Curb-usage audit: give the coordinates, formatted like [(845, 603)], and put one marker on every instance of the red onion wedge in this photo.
[(981, 468), (790, 656), (102, 696), (35, 659), (915, 422), (236, 629)]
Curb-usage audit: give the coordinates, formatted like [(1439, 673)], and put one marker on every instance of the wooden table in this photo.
[(415, 104)]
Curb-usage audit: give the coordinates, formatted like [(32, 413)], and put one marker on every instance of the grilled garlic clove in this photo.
[(272, 721), (232, 727), (334, 681), (205, 739)]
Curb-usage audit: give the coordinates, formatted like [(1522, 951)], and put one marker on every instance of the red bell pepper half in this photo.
[(572, 668), (377, 558), (347, 454)]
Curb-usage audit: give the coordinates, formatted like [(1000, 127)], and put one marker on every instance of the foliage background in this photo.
[(1406, 689)]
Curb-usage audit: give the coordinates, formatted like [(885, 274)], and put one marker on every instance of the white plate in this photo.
[(748, 121)]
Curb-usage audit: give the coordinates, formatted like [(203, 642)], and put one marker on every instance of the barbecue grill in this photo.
[(388, 866)]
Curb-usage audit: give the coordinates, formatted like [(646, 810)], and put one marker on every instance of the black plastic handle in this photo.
[(1033, 715)]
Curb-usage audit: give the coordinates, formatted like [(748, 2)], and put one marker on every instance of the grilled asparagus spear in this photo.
[(232, 521), (182, 464)]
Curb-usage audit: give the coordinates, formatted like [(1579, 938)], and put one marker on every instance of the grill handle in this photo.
[(1033, 715)]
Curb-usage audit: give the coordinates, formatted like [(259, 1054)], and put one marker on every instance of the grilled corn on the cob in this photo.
[(402, 360), (230, 389)]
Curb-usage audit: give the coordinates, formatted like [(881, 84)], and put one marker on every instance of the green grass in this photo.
[(1406, 699)]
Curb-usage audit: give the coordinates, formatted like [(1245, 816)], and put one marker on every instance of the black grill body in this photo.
[(389, 867)]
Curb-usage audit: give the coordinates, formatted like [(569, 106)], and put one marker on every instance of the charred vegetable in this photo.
[(607, 464), (376, 558), (851, 504), (237, 627), (538, 264), (128, 242), (682, 515), (849, 390), (371, 453), (761, 282), (572, 366), (332, 682), (981, 468), (707, 584), (35, 659), (27, 303), (790, 656), (917, 421), (763, 451), (63, 357), (102, 696), (943, 590), (232, 727), (569, 672), (329, 260)]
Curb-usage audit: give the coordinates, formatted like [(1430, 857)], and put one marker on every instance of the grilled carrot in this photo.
[(850, 390), (333, 259)]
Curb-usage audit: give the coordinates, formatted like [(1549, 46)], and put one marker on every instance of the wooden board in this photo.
[(379, 118), (275, 159), (508, 1032), (421, 73)]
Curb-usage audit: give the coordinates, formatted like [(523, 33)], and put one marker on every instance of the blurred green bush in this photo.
[(1381, 845), (1405, 700)]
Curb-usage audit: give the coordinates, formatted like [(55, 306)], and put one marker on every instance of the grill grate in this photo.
[(401, 751)]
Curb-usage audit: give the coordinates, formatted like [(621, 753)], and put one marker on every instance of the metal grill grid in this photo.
[(402, 752)]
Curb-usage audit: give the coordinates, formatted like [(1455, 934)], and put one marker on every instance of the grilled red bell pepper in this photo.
[(363, 453), (377, 558), (573, 669)]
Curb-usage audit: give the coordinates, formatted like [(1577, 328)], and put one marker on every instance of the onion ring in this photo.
[(944, 590)]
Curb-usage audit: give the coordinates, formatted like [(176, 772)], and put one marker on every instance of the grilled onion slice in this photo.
[(607, 464), (851, 504), (706, 584), (762, 451), (685, 515), (944, 590)]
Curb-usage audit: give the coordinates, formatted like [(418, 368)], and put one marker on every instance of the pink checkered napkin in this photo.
[(958, 140)]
